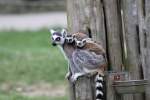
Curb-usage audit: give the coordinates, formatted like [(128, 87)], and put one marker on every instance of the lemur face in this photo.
[(80, 39), (69, 39), (58, 38), (80, 43)]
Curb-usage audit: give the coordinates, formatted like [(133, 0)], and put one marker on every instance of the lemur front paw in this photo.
[(67, 76), (75, 77)]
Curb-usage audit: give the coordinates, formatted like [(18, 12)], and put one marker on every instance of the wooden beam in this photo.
[(133, 63), (114, 30), (87, 16), (147, 45), (130, 86)]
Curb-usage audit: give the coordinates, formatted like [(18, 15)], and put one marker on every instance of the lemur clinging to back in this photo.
[(92, 58), (82, 42)]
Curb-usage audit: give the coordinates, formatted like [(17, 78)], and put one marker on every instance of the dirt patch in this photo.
[(40, 89)]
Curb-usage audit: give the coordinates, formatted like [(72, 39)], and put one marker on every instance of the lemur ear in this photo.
[(64, 33), (51, 31)]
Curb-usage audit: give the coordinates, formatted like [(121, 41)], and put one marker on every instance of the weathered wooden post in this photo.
[(98, 19), (88, 16), (131, 27), (118, 24), (146, 55)]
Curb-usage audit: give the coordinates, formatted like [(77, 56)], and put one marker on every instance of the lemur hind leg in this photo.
[(67, 76)]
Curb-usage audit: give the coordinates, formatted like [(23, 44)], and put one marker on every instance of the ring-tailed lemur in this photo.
[(82, 60), (66, 44), (93, 60)]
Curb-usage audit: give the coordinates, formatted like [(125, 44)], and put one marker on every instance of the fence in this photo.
[(123, 27)]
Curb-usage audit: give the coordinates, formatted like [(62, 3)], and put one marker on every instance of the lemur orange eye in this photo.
[(57, 39)]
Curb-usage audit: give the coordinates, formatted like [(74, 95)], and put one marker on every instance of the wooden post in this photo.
[(133, 64), (131, 34), (147, 46), (85, 88), (87, 16), (103, 21), (114, 30)]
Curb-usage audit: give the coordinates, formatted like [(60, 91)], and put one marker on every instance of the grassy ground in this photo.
[(17, 96), (27, 57)]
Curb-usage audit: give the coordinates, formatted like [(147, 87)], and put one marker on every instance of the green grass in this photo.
[(16, 96), (28, 57)]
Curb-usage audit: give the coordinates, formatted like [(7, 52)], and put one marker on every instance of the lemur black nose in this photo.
[(54, 44)]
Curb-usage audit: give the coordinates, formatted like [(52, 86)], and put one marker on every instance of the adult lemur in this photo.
[(92, 57), (84, 56), (66, 44)]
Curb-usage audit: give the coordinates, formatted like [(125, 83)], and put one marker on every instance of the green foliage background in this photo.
[(29, 58)]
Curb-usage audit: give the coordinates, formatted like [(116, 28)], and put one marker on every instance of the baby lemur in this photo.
[(82, 42), (92, 57)]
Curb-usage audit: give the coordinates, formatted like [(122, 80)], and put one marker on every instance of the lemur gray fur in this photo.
[(92, 58)]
